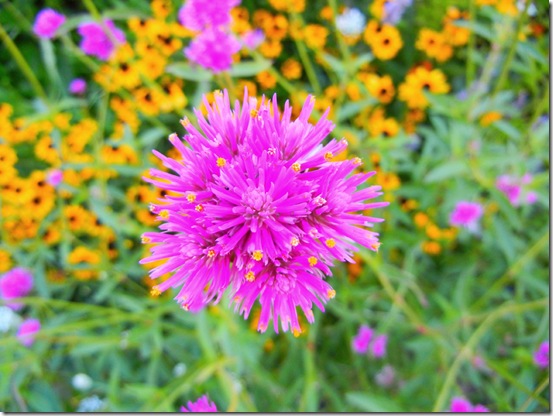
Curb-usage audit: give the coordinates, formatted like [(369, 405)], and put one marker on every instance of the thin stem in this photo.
[(23, 65), (470, 46), (535, 395), (304, 57)]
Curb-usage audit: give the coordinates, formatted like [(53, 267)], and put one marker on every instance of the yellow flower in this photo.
[(385, 40), (266, 80), (271, 48), (421, 219), (291, 69), (431, 247), (89, 257), (389, 181), (434, 45), (296, 6), (315, 36), (377, 8), (161, 8), (275, 27), (419, 80), (489, 118), (382, 88), (5, 261)]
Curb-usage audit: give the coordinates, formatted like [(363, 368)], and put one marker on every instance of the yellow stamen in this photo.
[(199, 208), (218, 93), (164, 213), (253, 113), (331, 293), (328, 156), (357, 161), (376, 246), (296, 167), (294, 241), (257, 255), (211, 253), (296, 332), (185, 122), (250, 276), (146, 240), (330, 242), (312, 261), (191, 197), (155, 292), (221, 162)]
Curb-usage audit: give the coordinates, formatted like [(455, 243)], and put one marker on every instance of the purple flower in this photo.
[(54, 177), (513, 188), (27, 330), (360, 342), (378, 346), (253, 38), (202, 405), (47, 23), (201, 14), (77, 86), (96, 42), (16, 283), (466, 214), (460, 405), (541, 356), (260, 207), (213, 49), (393, 10)]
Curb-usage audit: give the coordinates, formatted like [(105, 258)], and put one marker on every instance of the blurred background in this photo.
[(448, 101)]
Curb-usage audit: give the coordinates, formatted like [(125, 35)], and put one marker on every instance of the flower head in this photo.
[(466, 214), (351, 22), (201, 14), (541, 356), (202, 405), (96, 42), (460, 405), (514, 189), (27, 330), (393, 10), (253, 38), (378, 346), (260, 207), (213, 49), (360, 342), (16, 283), (54, 177), (77, 86), (47, 23)]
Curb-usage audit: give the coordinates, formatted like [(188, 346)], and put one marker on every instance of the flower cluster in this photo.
[(460, 405), (258, 204), (365, 340), (202, 405)]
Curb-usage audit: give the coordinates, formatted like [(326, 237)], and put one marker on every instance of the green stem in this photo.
[(23, 65), (304, 57), (535, 395), (470, 46), (467, 350)]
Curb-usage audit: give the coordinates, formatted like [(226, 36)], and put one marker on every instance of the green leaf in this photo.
[(352, 109), (249, 68), (368, 402), (188, 72), (446, 170)]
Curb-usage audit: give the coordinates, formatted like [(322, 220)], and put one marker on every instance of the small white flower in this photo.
[(81, 382), (179, 369), (7, 319), (351, 22), (90, 404)]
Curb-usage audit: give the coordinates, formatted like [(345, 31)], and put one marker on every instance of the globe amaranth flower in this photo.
[(460, 405), (97, 42), (351, 22), (515, 189), (257, 204), (360, 343), (541, 356), (213, 49), (27, 331), (466, 214), (47, 23), (202, 405), (201, 14), (77, 86), (14, 284)]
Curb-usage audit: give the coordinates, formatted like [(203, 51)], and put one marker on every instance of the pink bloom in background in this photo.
[(378, 346), (541, 356), (460, 405), (360, 342), (77, 86), (202, 405), (27, 330), (514, 189), (54, 177), (14, 284), (213, 49), (265, 210), (466, 214), (253, 38), (201, 14), (96, 42), (47, 23)]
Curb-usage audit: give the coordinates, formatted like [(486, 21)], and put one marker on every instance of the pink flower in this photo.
[(202, 405), (514, 189), (541, 356), (47, 23), (96, 42), (16, 283), (360, 342), (54, 177), (202, 14), (27, 330), (213, 49), (253, 38), (378, 346), (77, 86), (460, 405), (466, 214), (262, 208)]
